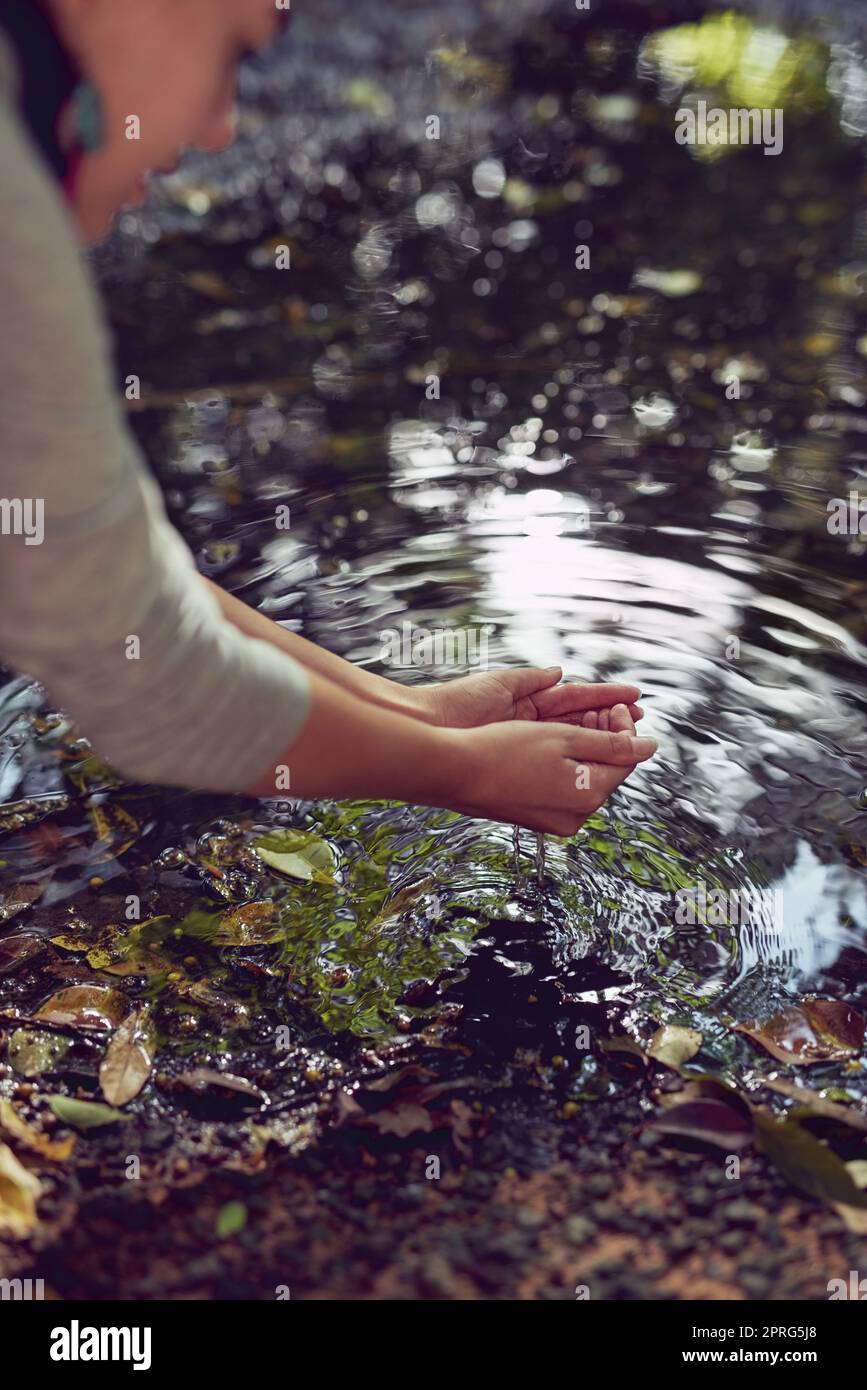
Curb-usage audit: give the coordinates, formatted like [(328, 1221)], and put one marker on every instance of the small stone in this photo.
[(530, 1220), (741, 1213), (579, 1230)]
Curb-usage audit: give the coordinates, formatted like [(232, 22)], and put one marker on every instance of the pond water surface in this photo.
[(475, 434)]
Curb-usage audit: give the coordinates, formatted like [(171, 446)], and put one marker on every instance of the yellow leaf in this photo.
[(20, 1190), (26, 1134)]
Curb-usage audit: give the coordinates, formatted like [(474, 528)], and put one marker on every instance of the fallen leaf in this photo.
[(84, 1114), (673, 1045), (231, 1012), (855, 1217), (72, 943), (710, 1121), (299, 854), (218, 1090), (85, 1006), (231, 1219), (115, 828), (807, 1163), (19, 897), (817, 1104), (251, 924), (815, 1030), (19, 1129), (89, 775), (15, 950), (127, 1063), (626, 1052), (700, 1086), (31, 1053), (20, 1190)]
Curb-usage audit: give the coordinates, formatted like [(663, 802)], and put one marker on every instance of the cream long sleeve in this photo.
[(201, 704)]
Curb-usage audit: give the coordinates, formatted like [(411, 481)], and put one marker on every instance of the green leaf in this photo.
[(806, 1162), (31, 1053), (298, 854), (231, 1219), (84, 1114), (201, 923)]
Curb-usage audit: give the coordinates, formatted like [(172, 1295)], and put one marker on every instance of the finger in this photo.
[(530, 679), (589, 719), (603, 720), (621, 720), (616, 748), (567, 699), (605, 780)]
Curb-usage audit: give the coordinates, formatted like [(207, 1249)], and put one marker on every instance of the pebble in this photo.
[(579, 1230)]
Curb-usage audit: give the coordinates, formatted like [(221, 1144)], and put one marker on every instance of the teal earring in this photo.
[(86, 117)]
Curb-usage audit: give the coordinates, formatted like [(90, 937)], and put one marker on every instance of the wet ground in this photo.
[(420, 1064)]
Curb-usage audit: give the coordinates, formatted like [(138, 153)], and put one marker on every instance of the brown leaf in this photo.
[(14, 950), (19, 897), (701, 1086), (815, 1030), (127, 1063), (219, 1090), (85, 1006), (710, 1121), (19, 1129), (625, 1053), (231, 1012), (251, 924), (817, 1104)]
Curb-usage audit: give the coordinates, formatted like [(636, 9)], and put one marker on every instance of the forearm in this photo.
[(364, 685), (354, 748)]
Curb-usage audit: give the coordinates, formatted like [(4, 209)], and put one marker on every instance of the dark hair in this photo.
[(49, 77)]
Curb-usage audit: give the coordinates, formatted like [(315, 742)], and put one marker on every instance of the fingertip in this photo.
[(621, 720), (644, 748)]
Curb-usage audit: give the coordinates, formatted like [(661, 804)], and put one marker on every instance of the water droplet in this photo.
[(171, 858), (752, 451), (654, 412)]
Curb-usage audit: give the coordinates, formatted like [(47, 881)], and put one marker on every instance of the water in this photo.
[(472, 433)]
